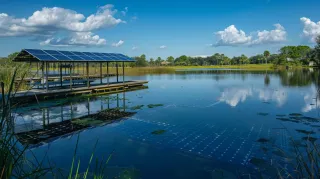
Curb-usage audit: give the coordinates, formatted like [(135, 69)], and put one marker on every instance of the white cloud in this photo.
[(77, 39), (118, 44), (163, 47), (231, 36), (134, 48), (279, 96), (279, 34), (134, 18), (310, 29), (50, 20)]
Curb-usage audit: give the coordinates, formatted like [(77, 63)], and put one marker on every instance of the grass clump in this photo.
[(158, 132), (138, 107)]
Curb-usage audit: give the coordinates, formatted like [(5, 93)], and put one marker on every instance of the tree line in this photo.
[(288, 55)]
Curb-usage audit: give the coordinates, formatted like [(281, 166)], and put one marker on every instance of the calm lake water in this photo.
[(209, 122)]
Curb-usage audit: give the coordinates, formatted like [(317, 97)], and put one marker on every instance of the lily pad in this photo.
[(137, 107), (279, 153), (158, 132), (263, 140), (298, 143), (305, 131), (295, 114), (311, 139), (263, 114), (154, 105)]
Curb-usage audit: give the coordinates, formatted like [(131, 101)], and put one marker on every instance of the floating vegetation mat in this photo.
[(55, 130), (154, 105), (137, 107)]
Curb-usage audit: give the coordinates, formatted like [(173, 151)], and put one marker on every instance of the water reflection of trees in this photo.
[(302, 77)]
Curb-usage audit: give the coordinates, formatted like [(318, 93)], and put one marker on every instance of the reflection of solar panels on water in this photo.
[(215, 142)]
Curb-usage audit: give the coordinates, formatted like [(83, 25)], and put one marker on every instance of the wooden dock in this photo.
[(42, 94), (65, 77)]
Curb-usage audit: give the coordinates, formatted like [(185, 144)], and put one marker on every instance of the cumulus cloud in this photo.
[(134, 48), (56, 18), (279, 34), (118, 44), (77, 39), (310, 29), (48, 22), (231, 36), (163, 47)]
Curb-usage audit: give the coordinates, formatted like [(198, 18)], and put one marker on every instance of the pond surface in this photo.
[(187, 124)]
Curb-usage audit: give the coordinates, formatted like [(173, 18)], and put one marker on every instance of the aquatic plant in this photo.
[(137, 107), (262, 114), (154, 105), (263, 140), (305, 131), (158, 132)]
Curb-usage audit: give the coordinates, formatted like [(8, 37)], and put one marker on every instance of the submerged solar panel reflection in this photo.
[(67, 56)]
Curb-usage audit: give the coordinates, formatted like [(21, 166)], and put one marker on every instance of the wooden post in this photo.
[(88, 82), (124, 101), (117, 72), (47, 77), (108, 73), (100, 72)]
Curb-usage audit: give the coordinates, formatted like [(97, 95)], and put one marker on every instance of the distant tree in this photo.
[(244, 59), (170, 60), (151, 63), (141, 61), (266, 55), (12, 55), (315, 53), (182, 60), (158, 61)]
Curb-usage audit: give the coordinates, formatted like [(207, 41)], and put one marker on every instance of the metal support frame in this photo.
[(88, 82), (60, 66), (108, 73), (100, 72), (117, 72), (71, 71), (47, 82), (123, 72)]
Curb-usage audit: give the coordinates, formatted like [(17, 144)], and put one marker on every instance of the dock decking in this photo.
[(41, 94)]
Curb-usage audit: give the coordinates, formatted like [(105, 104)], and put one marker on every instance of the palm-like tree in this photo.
[(266, 54)]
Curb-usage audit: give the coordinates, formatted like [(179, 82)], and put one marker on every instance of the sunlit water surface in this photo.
[(213, 120)]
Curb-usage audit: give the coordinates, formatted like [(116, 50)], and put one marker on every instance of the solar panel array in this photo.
[(55, 55)]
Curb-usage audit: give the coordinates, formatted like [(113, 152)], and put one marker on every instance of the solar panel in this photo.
[(56, 55)]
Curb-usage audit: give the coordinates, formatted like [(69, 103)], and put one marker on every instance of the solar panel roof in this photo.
[(67, 56)]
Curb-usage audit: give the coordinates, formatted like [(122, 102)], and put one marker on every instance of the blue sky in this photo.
[(158, 28)]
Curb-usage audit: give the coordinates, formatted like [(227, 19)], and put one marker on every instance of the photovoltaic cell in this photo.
[(55, 55)]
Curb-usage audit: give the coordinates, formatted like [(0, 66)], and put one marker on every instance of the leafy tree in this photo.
[(244, 59), (158, 61), (170, 60), (314, 54), (141, 61), (266, 54), (151, 63), (12, 56)]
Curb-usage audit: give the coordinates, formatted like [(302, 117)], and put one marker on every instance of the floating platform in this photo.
[(55, 93), (64, 77)]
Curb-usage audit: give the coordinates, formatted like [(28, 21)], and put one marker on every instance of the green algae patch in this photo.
[(262, 114), (295, 114), (258, 162), (158, 132), (154, 105), (87, 122), (263, 140), (138, 107), (305, 131)]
